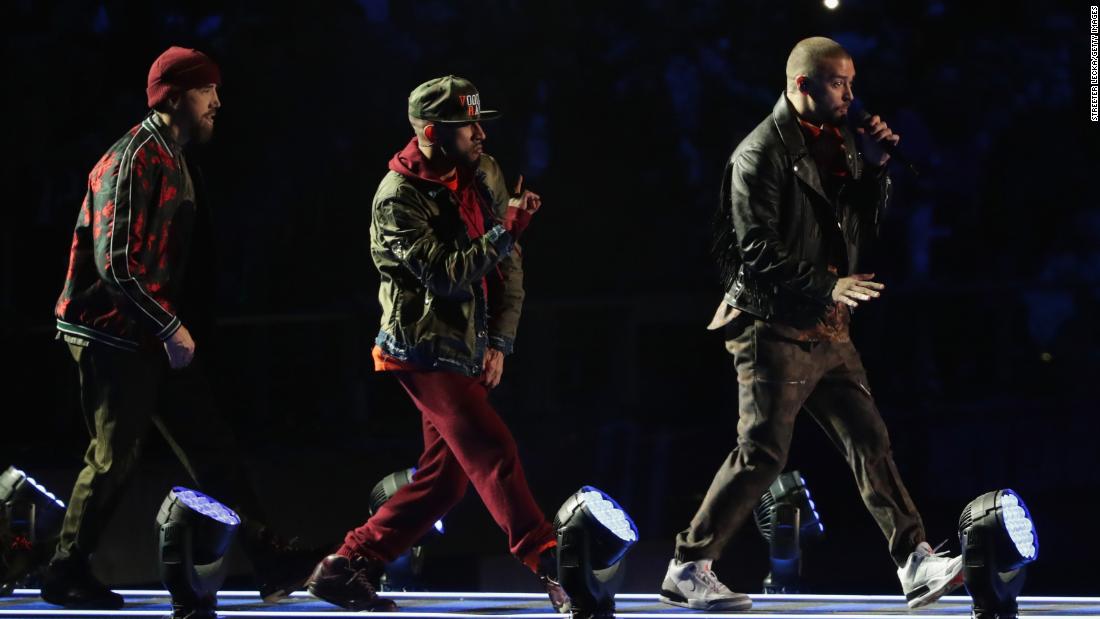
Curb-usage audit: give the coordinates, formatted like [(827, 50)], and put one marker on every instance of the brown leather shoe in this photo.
[(350, 584)]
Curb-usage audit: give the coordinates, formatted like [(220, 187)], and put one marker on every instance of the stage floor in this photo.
[(26, 603)]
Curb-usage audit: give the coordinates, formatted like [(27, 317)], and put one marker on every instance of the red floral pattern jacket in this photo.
[(130, 244)]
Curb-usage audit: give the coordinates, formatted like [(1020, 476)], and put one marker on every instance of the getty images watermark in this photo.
[(1094, 64)]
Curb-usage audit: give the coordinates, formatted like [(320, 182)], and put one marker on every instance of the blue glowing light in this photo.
[(605, 510), (438, 525), (1018, 524), (40, 488), (206, 506)]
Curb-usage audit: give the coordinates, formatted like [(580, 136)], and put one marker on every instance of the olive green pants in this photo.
[(123, 394)]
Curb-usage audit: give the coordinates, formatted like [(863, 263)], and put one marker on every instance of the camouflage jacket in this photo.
[(436, 312), (130, 244)]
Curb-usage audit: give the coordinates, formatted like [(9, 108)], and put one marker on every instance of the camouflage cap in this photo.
[(448, 99)]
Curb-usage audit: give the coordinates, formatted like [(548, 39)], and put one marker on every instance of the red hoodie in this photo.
[(411, 162)]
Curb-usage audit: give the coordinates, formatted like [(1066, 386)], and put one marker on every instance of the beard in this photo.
[(473, 155), (202, 133), (464, 158), (202, 129), (471, 160)]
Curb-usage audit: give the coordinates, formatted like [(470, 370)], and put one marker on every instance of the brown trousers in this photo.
[(777, 377)]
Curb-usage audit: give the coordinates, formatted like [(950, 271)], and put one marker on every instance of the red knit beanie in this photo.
[(179, 69)]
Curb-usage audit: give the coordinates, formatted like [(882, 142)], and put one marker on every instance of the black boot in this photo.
[(352, 584), (69, 582)]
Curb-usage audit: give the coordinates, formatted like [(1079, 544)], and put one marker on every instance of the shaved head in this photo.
[(418, 125), (809, 55)]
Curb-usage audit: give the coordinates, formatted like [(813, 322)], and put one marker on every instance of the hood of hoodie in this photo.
[(410, 161)]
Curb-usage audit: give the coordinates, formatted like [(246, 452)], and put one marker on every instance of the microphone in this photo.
[(858, 116)]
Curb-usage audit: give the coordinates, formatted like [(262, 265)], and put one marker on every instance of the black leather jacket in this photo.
[(776, 223)]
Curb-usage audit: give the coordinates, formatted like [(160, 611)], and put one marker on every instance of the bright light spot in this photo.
[(609, 515), (832, 4), (206, 506), (1019, 526)]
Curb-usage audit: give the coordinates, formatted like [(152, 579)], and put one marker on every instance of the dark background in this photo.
[(983, 353)]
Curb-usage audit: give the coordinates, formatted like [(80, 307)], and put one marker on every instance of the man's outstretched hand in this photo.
[(858, 287)]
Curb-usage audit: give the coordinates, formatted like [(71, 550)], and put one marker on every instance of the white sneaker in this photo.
[(928, 575), (692, 584)]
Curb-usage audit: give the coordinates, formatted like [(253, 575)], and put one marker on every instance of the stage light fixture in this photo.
[(194, 531), (999, 540), (403, 573), (786, 515), (30, 522), (594, 533)]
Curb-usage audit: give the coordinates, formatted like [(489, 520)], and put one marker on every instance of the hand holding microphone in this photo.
[(879, 142)]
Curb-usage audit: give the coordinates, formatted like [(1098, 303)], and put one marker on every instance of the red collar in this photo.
[(815, 131)]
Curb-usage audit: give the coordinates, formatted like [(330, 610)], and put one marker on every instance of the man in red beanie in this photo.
[(139, 262)]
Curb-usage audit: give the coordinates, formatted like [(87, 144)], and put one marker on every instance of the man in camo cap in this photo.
[(444, 237)]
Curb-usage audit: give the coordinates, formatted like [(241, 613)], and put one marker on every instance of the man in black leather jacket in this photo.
[(801, 201)]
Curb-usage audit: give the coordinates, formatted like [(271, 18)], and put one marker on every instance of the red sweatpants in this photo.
[(464, 441)]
